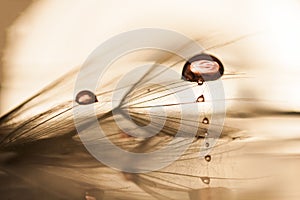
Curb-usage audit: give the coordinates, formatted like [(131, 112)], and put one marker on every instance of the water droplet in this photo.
[(206, 144), (205, 121), (207, 158), (200, 99), (206, 134), (205, 180), (202, 67), (86, 97), (200, 82)]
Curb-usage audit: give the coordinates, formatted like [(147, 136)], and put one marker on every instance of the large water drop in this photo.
[(86, 97)]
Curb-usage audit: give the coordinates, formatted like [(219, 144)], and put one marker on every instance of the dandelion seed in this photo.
[(144, 100)]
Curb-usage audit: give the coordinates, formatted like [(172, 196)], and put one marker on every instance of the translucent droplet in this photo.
[(206, 134), (86, 97), (207, 158), (205, 180), (200, 82), (200, 99), (205, 121), (206, 144), (202, 67)]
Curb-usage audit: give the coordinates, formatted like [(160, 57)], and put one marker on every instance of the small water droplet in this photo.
[(207, 144), (206, 134), (200, 82), (86, 97), (205, 121), (200, 99), (207, 158), (205, 180)]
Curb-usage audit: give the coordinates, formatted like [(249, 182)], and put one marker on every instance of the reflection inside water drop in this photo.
[(202, 67), (207, 158), (200, 99), (205, 180), (205, 121), (86, 97)]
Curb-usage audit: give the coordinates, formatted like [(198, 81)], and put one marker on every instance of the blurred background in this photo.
[(40, 40), (9, 12), (257, 41)]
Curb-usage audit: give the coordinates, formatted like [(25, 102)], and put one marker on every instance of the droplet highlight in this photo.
[(205, 180), (207, 158), (86, 97), (200, 82), (200, 99), (205, 121), (199, 67)]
